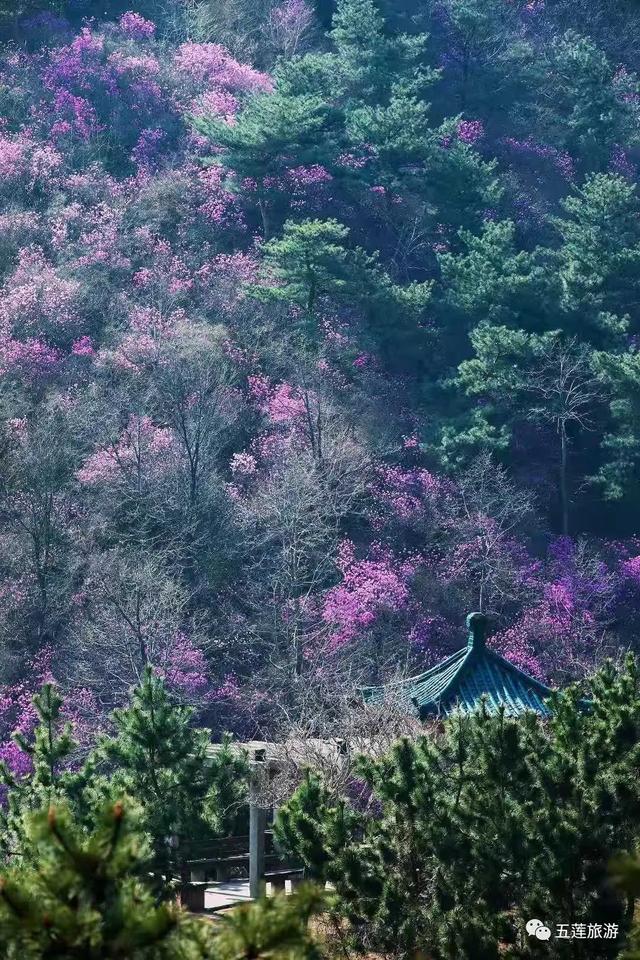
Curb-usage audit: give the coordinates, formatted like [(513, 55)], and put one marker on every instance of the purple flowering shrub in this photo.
[(18, 715)]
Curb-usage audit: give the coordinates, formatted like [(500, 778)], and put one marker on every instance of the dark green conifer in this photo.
[(186, 791), (51, 779), (83, 897)]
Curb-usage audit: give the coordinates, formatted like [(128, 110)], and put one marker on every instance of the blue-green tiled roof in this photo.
[(460, 681)]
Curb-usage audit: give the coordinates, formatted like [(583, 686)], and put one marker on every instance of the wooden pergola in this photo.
[(266, 760)]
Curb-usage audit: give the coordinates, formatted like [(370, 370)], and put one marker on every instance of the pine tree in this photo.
[(274, 132), (51, 778), (620, 374), (186, 792), (308, 262), (599, 257), (542, 379), (274, 929), (87, 897), (491, 279), (313, 823), (625, 872), (489, 52), (372, 62), (587, 802), (83, 898), (311, 262), (585, 111)]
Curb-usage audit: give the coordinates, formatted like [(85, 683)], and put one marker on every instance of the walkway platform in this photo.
[(222, 896)]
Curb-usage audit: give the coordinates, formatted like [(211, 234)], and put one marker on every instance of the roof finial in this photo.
[(477, 626)]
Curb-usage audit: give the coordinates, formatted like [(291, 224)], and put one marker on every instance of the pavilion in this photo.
[(460, 682)]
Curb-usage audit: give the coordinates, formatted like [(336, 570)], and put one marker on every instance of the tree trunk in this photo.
[(564, 494), (265, 219)]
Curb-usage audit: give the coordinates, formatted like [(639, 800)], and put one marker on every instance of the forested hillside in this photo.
[(319, 328)]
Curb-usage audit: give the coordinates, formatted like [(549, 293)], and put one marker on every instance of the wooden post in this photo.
[(257, 826)]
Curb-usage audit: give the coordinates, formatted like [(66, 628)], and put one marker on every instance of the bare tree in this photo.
[(290, 524), (132, 614), (330, 728), (564, 392), (481, 518)]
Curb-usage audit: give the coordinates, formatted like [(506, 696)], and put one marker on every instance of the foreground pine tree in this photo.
[(156, 756), (87, 897), (275, 929), (84, 899), (51, 778), (186, 793)]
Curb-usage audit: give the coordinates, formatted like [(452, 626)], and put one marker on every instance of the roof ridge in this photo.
[(533, 681), (420, 677)]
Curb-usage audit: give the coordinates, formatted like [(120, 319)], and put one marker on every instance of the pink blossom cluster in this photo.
[(561, 159), (142, 451), (11, 156), (369, 587), (282, 403), (136, 27), (98, 243), (74, 116), (291, 18), (470, 131), (78, 64), (220, 203), (166, 276), (406, 493), (83, 347), (518, 644), (149, 331), (241, 267), (185, 667), (572, 601), (31, 359), (229, 689), (621, 164), (631, 569), (353, 161), (19, 716), (24, 160), (486, 547), (216, 103), (243, 465), (38, 301), (210, 65), (18, 427)]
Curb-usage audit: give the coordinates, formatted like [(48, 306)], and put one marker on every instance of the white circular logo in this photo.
[(543, 933), (532, 926)]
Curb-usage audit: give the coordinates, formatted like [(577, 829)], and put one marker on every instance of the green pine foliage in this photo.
[(270, 130), (273, 929), (490, 279), (599, 256), (625, 872), (159, 758), (84, 898), (472, 830), (186, 791), (620, 373), (50, 780), (87, 897), (585, 111)]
